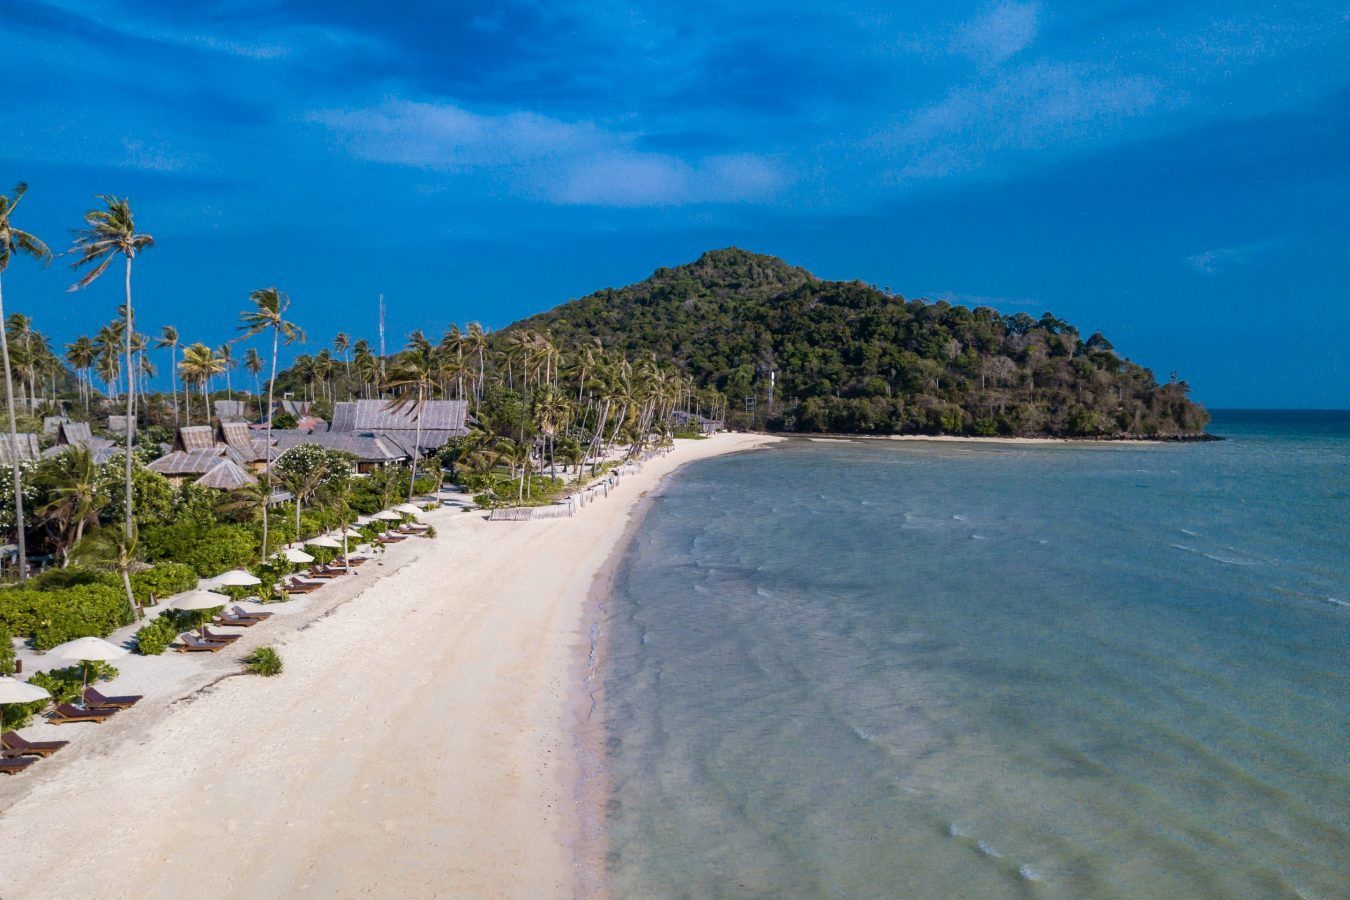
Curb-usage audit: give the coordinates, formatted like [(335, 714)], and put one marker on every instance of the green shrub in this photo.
[(207, 549), (156, 635), (264, 661), (55, 616), (6, 652), (164, 580), (55, 579)]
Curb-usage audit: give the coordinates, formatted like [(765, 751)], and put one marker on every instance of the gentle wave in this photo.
[(1226, 560)]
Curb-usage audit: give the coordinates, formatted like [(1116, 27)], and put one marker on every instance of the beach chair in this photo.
[(67, 713), (190, 643), (11, 765), (207, 634), (17, 746), (299, 586), (391, 539), (320, 572), (236, 621), (255, 614), (93, 698)]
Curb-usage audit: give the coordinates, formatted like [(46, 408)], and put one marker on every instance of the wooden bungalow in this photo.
[(372, 451)]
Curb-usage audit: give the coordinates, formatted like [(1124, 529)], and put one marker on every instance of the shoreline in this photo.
[(587, 782), (419, 740)]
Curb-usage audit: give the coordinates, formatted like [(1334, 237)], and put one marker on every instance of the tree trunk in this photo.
[(22, 558), (128, 521), (267, 471), (417, 445)]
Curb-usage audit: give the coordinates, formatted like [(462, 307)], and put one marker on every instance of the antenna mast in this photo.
[(382, 337)]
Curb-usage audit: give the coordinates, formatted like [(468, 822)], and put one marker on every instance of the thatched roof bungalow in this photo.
[(78, 434), (372, 451)]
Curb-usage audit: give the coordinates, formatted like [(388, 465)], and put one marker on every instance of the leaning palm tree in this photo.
[(342, 343), (269, 309), (14, 242), (168, 339), (108, 233)]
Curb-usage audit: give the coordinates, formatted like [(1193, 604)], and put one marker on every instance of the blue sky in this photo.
[(1175, 174)]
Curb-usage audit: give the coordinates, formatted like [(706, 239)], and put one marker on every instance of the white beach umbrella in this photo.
[(200, 599), (409, 509), (297, 556), (324, 541), (236, 578), (12, 690), (387, 516), (350, 533), (87, 649), (364, 520)]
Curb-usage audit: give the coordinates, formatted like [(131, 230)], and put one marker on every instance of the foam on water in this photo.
[(868, 701)]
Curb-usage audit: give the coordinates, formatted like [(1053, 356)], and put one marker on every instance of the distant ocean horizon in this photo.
[(877, 669)]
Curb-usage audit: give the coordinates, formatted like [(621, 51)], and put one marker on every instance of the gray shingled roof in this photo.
[(51, 423), (240, 437), (440, 420), (192, 462), (226, 476), (26, 449), (230, 409), (194, 437), (364, 445)]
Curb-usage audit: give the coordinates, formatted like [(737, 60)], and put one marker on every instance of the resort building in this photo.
[(222, 456), (438, 420), (372, 451)]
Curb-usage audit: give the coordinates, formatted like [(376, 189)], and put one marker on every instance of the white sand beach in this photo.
[(416, 744)]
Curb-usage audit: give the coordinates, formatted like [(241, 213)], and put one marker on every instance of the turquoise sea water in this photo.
[(873, 669)]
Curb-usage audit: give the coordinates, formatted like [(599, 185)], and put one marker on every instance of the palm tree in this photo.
[(75, 493), (81, 355), (109, 232), (226, 355), (200, 364), (269, 309), (475, 342), (106, 342), (168, 338), (414, 374), (14, 242), (253, 363), (342, 343)]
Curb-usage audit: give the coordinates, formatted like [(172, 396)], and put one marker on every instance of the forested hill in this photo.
[(840, 356)]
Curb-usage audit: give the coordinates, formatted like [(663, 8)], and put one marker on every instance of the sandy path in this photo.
[(414, 746)]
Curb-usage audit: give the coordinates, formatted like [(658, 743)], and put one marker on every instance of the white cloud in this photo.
[(1034, 107), (1220, 259), (1001, 32), (574, 163)]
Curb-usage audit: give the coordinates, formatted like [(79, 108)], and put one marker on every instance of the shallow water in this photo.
[(869, 669)]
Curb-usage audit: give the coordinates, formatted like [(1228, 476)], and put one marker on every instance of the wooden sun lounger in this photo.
[(193, 644), (236, 621), (11, 765), (17, 746), (316, 572), (67, 712), (208, 635), (256, 614), (302, 587), (93, 698), (391, 539)]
